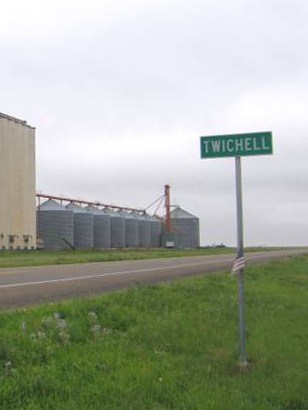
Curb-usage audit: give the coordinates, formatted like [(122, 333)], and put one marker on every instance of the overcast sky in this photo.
[(120, 92)]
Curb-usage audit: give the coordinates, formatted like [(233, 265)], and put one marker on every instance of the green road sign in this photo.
[(237, 145)]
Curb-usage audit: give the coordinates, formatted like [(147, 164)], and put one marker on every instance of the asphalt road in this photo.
[(21, 287)]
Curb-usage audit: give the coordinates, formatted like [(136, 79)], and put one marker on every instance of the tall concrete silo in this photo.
[(102, 228), (55, 225), (83, 227), (17, 184), (186, 228)]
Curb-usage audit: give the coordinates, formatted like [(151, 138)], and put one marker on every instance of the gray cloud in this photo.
[(120, 92)]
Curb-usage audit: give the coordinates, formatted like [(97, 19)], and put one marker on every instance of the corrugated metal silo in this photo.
[(55, 225), (186, 227), (157, 227), (117, 229), (144, 230), (131, 229), (102, 230), (83, 227)]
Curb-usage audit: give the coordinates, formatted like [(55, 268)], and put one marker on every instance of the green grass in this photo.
[(172, 346), (40, 258)]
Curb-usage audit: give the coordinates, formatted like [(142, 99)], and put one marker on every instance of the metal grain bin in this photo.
[(131, 229), (117, 229), (55, 225), (102, 230), (144, 230), (83, 227), (157, 228), (186, 227)]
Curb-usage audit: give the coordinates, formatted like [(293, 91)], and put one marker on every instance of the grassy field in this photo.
[(172, 346), (40, 258)]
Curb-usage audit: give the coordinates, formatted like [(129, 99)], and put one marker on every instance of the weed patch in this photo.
[(172, 346)]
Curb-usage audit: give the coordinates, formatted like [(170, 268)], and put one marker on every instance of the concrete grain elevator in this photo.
[(17, 184)]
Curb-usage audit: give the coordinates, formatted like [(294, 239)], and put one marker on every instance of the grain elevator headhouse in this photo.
[(17, 184)]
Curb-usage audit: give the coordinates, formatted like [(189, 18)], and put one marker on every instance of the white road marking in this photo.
[(42, 282)]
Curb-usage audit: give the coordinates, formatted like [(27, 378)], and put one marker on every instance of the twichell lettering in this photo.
[(236, 145)]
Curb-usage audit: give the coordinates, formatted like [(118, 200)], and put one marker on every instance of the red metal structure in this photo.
[(62, 199), (168, 227)]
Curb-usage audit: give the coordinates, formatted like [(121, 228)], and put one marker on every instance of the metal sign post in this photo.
[(239, 255), (238, 145)]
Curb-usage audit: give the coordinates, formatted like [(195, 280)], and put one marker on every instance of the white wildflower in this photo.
[(61, 324), (41, 335), (64, 336), (96, 329), (92, 316), (8, 365), (23, 327)]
